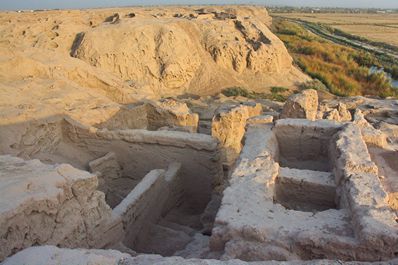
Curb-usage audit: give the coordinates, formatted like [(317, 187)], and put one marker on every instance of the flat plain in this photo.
[(375, 27)]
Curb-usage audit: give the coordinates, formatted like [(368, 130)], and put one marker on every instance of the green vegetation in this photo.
[(237, 91), (393, 71), (314, 84), (343, 70), (278, 89), (243, 92)]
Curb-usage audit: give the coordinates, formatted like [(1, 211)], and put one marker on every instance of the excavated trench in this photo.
[(305, 181), (159, 183), (388, 172)]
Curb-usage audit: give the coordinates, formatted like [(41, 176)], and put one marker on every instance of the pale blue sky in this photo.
[(49, 4)]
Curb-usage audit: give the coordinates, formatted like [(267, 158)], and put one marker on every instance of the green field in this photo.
[(344, 70)]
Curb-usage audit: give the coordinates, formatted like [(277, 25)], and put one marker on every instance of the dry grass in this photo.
[(376, 27), (343, 70)]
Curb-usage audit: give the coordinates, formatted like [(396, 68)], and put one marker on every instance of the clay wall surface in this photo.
[(128, 117), (228, 127), (305, 144), (305, 190), (110, 179), (59, 140), (57, 205), (361, 192), (139, 151), (145, 204)]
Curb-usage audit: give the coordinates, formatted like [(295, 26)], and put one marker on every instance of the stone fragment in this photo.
[(303, 105), (260, 119), (333, 115), (345, 115), (171, 113), (228, 126), (340, 114), (369, 133)]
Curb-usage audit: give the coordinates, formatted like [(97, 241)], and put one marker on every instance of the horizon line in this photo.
[(192, 5)]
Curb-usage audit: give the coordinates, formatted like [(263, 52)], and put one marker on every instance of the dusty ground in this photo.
[(376, 27)]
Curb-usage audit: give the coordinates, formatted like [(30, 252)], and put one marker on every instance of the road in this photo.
[(343, 40)]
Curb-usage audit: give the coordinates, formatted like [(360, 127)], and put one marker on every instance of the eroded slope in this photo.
[(90, 61)]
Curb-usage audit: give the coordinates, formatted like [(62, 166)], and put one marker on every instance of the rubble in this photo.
[(303, 105), (340, 113), (169, 113), (369, 133)]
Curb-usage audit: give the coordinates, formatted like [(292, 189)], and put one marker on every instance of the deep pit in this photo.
[(305, 190), (305, 181), (305, 147)]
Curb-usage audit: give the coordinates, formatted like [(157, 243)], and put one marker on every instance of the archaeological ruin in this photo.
[(119, 150), (256, 189)]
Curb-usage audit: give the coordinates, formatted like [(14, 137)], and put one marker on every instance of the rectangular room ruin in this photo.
[(156, 186), (305, 190)]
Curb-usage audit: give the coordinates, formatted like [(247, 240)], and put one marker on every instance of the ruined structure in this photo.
[(228, 127), (147, 182), (302, 106), (110, 154), (305, 190), (298, 190)]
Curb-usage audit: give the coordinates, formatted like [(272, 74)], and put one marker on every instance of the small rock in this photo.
[(260, 119)]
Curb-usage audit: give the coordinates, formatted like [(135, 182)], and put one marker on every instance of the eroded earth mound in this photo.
[(88, 60)]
